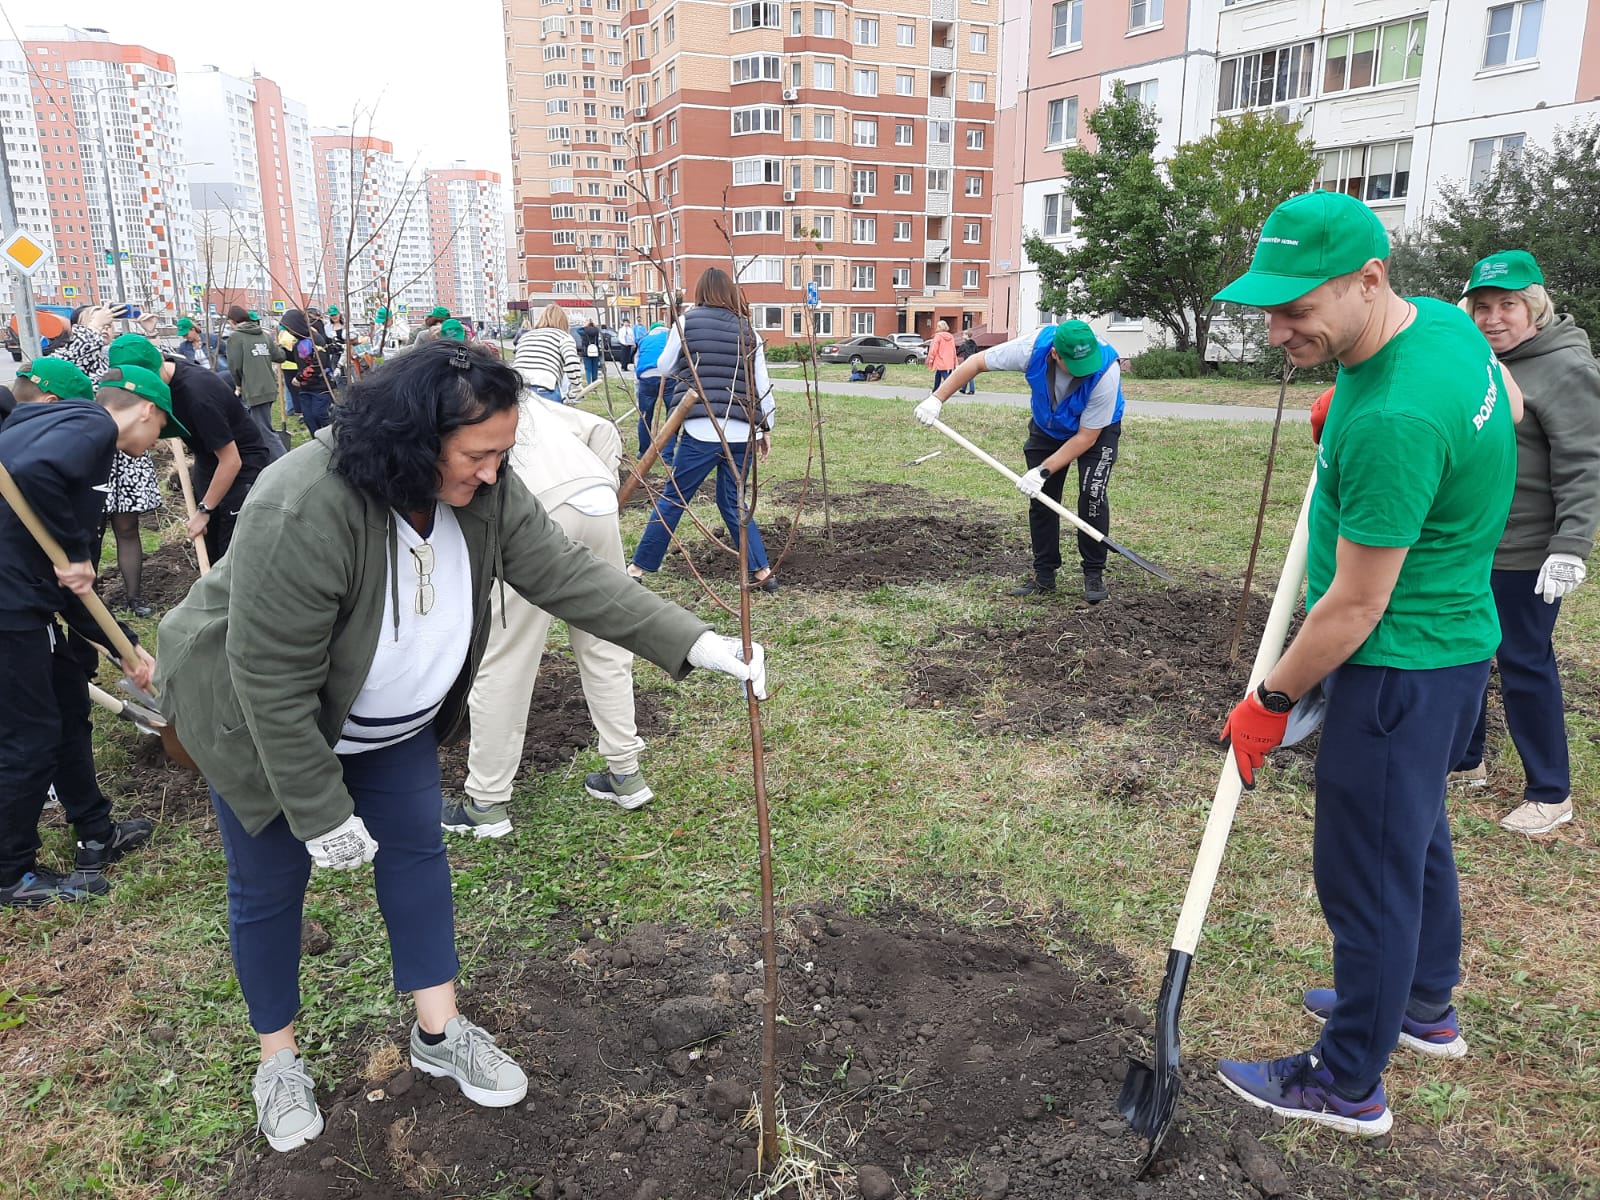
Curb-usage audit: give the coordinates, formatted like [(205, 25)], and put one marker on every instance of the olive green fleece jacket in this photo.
[(1556, 505), (252, 357), (262, 662)]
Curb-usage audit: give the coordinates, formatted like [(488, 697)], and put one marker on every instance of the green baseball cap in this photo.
[(1077, 348), (1307, 241), (60, 378), (383, 316), (1512, 270), (148, 386), (184, 326), (453, 329), (134, 350), (333, 310), (440, 311)]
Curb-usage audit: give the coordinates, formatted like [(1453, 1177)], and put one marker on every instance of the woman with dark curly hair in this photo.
[(315, 672)]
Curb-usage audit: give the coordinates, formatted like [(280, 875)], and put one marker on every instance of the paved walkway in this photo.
[(1137, 408)]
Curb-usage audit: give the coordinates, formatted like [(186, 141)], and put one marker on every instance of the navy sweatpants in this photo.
[(1530, 687), (1385, 873), (396, 792), (1094, 478)]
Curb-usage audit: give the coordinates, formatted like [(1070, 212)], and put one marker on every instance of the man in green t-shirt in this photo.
[(1415, 469)]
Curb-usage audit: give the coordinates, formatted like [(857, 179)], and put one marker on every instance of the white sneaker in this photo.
[(1533, 818), (468, 1054), (1472, 777), (286, 1108)]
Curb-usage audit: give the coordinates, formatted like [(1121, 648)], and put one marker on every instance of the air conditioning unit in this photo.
[(1291, 113), (641, 112), (857, 198), (788, 197), (791, 94)]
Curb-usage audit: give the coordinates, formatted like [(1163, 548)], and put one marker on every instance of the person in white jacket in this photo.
[(547, 357), (568, 459)]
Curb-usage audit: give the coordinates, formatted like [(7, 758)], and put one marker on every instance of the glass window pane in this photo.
[(1528, 29), (1419, 36), (1225, 83), (1392, 57), (1497, 45), (1333, 71), (1361, 61)]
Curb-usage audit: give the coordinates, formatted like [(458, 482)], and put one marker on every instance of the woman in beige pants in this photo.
[(568, 459)]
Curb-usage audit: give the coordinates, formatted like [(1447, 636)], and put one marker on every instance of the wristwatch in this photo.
[(202, 506), (1273, 702), (1044, 473)]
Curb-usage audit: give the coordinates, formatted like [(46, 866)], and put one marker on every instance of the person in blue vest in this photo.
[(1076, 384), (647, 378)]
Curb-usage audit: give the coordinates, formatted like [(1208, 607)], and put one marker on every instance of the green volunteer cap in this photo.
[(453, 329), (333, 310), (134, 350), (1512, 270), (655, 325), (440, 311), (184, 326), (149, 386), (383, 316), (1077, 348), (60, 378), (1307, 241)]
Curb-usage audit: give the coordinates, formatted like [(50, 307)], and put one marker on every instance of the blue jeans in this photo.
[(1530, 687), (938, 378), (591, 368), (1381, 856), (313, 409), (692, 462), (396, 793), (649, 391)]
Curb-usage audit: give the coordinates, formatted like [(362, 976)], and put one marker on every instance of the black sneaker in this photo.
[(138, 607), (1094, 587), (125, 836), (42, 886), (1037, 585)]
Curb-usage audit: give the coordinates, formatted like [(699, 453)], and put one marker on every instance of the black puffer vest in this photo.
[(717, 341)]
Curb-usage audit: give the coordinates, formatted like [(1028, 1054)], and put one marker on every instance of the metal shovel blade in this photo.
[(1139, 560), (1149, 1096)]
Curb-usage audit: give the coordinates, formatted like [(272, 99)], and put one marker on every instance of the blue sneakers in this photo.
[(1300, 1087), (1436, 1039)]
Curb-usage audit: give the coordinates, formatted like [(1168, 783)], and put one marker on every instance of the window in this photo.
[(822, 75), (1268, 77), (1378, 172), (822, 177), (566, 262), (904, 84), (1143, 14), (822, 22), (824, 227), (905, 135), (1066, 25), (972, 232), (751, 67), (975, 138), (902, 231), (669, 28), (939, 133), (864, 229), (1144, 91), (822, 274), (939, 179), (822, 321), (863, 279), (1117, 320), (860, 322), (902, 183), (797, 127), (822, 127), (756, 16), (766, 316), (974, 185), (978, 42), (863, 182), (905, 35), (977, 90), (766, 268), (796, 22), (764, 118), (757, 220), (969, 278), (902, 277), (1513, 34), (564, 237), (1057, 216), (863, 132), (865, 83), (1487, 154), (866, 31), (1061, 121), (1384, 54), (757, 170), (562, 212), (933, 274)]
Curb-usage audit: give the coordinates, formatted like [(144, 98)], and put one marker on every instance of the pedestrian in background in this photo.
[(965, 349), (588, 339), (648, 382), (255, 368), (308, 368), (941, 354), (547, 358)]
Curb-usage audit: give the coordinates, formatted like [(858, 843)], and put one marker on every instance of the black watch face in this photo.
[(1276, 702)]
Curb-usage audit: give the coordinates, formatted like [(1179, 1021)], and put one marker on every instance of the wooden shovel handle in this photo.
[(184, 483), (669, 429)]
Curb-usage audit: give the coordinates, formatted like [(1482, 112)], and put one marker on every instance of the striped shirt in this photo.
[(544, 356)]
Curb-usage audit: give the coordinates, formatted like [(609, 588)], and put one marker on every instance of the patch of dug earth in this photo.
[(167, 576), (922, 1059), (1147, 648)]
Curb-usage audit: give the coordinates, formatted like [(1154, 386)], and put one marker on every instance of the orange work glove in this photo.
[(1252, 731), (1319, 415)]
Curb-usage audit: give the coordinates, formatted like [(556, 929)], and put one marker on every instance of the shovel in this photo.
[(182, 461), (1150, 1093), (143, 718), (1137, 560), (91, 601)]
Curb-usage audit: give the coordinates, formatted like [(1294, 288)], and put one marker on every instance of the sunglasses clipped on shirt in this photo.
[(422, 559)]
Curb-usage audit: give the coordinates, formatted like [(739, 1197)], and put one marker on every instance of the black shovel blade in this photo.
[(1139, 561), (1149, 1096)]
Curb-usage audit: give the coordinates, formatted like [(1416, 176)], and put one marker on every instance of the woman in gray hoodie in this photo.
[(1551, 529)]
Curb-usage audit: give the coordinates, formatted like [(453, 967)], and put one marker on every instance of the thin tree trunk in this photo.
[(1261, 516)]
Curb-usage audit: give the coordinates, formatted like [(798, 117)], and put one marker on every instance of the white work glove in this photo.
[(343, 848), (1560, 574), (717, 653), (928, 411), (1031, 484)]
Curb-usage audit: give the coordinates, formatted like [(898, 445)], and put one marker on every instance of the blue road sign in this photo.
[(811, 294)]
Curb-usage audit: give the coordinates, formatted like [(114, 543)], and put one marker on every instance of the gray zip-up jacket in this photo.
[(1556, 505), (262, 662)]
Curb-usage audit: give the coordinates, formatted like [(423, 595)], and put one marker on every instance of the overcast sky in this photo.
[(435, 72)]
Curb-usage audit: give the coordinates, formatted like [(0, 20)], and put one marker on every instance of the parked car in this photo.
[(865, 349), (912, 341)]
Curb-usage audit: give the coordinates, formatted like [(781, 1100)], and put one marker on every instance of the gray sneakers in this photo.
[(464, 816), (286, 1110), (629, 791), (469, 1055)]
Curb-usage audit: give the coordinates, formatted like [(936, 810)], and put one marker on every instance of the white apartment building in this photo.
[(29, 192), (467, 213)]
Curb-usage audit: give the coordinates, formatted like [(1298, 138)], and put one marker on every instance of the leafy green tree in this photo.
[(1158, 240), (1545, 201)]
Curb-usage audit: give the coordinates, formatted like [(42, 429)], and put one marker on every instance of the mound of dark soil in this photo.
[(168, 575)]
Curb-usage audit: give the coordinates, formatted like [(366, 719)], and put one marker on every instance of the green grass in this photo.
[(126, 1067)]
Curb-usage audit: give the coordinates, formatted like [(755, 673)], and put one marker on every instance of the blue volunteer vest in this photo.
[(1062, 421)]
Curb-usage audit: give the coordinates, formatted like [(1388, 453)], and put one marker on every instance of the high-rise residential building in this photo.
[(1400, 98), (253, 188), (466, 215), (795, 143), (91, 96), (362, 209), (25, 155)]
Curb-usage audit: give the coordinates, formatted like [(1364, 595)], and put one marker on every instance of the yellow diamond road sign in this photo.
[(24, 253)]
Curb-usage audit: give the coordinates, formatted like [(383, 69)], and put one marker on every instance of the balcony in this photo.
[(938, 204), (941, 106), (935, 248), (942, 58), (941, 154), (943, 10)]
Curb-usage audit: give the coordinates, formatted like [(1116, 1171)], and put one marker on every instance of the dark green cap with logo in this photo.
[(147, 385), (1512, 270), (59, 377), (1077, 348), (1307, 241)]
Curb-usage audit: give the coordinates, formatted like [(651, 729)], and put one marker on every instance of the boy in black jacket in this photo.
[(59, 456)]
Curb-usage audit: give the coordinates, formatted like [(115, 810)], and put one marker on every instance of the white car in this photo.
[(911, 341)]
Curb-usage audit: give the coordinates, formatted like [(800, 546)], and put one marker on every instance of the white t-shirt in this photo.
[(412, 674)]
